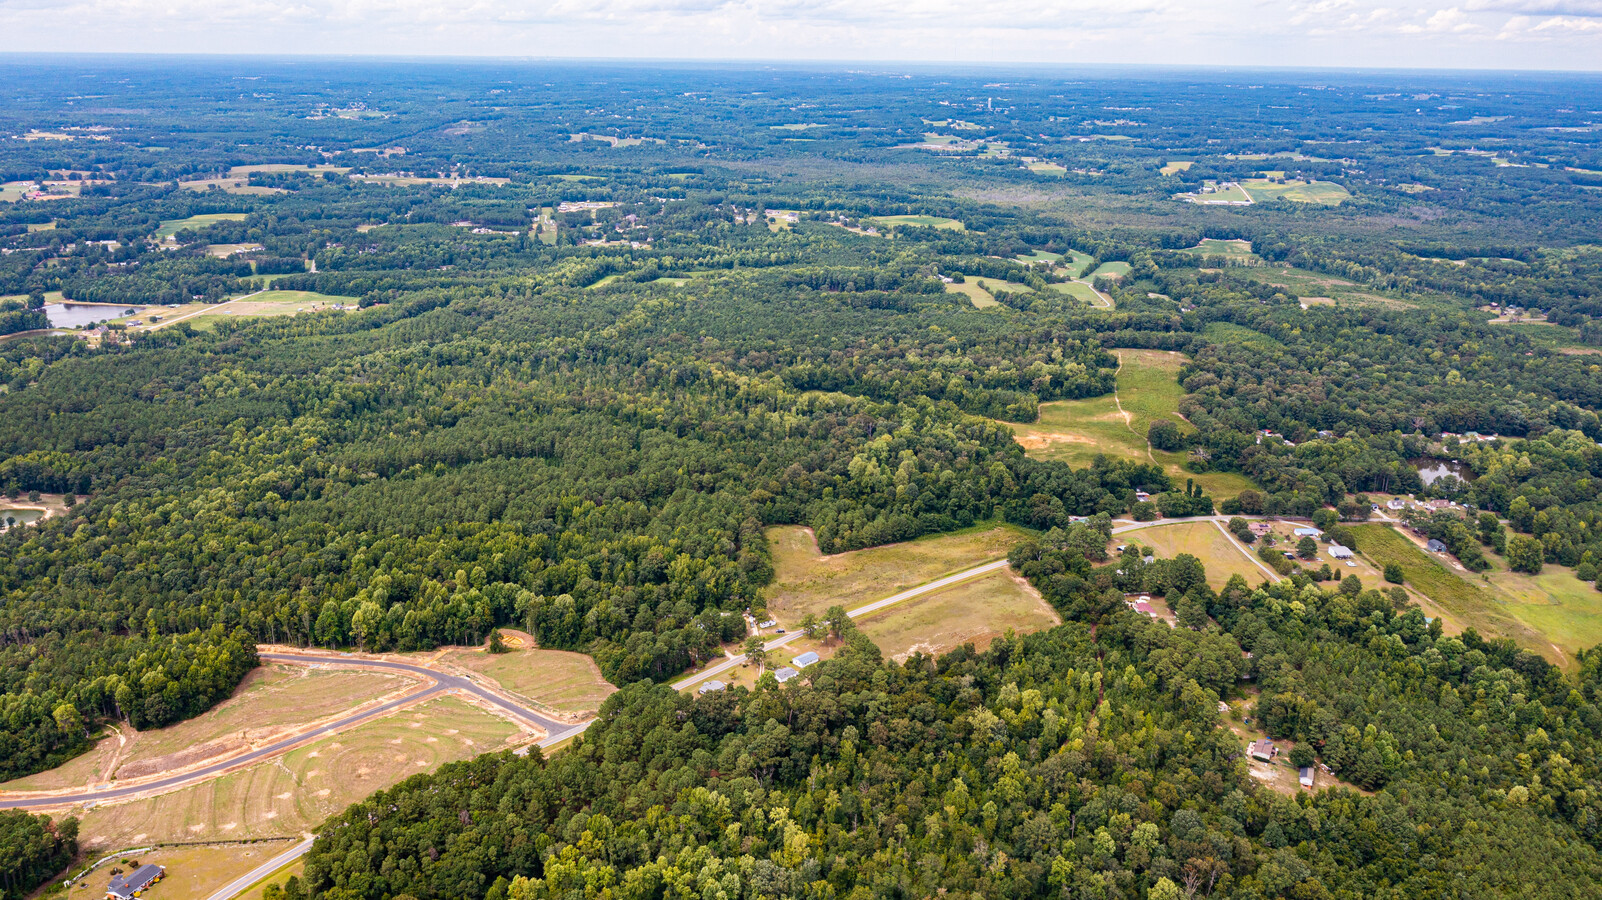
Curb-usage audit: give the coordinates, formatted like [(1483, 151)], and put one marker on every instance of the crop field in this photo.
[(566, 682), (193, 872), (976, 611), (1047, 168), (1222, 557), (266, 304), (1454, 594), (223, 251), (807, 582), (297, 791), (922, 221), (1175, 166), (1325, 192), (172, 226)]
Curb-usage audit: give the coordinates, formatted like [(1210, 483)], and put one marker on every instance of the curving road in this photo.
[(437, 683)]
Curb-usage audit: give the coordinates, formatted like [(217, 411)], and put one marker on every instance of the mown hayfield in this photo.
[(1325, 192), (807, 582), (976, 612), (1564, 609), (297, 791), (920, 221), (1239, 249), (1111, 270), (981, 298), (1221, 556), (172, 226)]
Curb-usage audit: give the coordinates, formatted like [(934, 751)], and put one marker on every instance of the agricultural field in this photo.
[(1236, 250), (921, 221), (1457, 598), (1328, 193), (1175, 166), (231, 186), (1312, 285), (223, 251), (981, 298), (1212, 194), (284, 168), (1081, 291), (1110, 270), (976, 611), (1076, 431), (568, 683), (807, 582), (418, 180), (263, 305), (297, 791), (1041, 167), (172, 226), (1219, 553), (1564, 609), (1034, 256)]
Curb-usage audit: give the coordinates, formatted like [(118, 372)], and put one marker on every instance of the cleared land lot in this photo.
[(297, 791), (976, 611), (1175, 166), (1220, 555), (265, 304), (569, 683), (1236, 250), (172, 226), (1075, 431), (807, 582), (193, 872)]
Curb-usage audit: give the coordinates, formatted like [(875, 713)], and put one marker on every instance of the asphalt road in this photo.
[(238, 885), (860, 611), (438, 683)]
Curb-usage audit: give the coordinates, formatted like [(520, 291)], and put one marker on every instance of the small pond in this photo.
[(1433, 470), (72, 315), (20, 516)]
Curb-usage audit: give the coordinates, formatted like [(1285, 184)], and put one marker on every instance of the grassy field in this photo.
[(1080, 291), (1034, 256), (1175, 166), (172, 226), (1325, 192), (980, 297), (1222, 557), (1230, 194), (256, 891), (1310, 284), (1075, 431), (193, 872), (925, 221), (805, 581), (1241, 250), (297, 791), (1047, 168), (267, 304), (566, 682), (281, 168), (1111, 270), (977, 612), (1454, 594)]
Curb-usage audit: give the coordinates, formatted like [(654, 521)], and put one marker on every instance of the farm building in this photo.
[(1262, 749), (804, 660), (1340, 552), (785, 674), (122, 887), (1306, 776), (1435, 546), (712, 687)]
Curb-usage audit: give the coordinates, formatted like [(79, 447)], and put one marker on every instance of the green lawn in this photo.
[(1111, 270), (172, 226), (1077, 263), (927, 221)]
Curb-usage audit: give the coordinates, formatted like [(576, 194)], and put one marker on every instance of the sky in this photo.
[(1469, 34)]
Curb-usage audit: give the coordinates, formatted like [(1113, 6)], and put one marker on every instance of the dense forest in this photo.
[(557, 359)]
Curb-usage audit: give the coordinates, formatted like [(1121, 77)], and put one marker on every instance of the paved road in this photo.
[(860, 611), (238, 885), (438, 683)]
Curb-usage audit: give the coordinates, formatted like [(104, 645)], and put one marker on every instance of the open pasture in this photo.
[(1219, 194), (1219, 553), (976, 611), (1175, 166), (806, 581), (195, 223), (1297, 191), (1236, 250), (979, 296), (1041, 167), (919, 221), (1110, 270), (1307, 283)]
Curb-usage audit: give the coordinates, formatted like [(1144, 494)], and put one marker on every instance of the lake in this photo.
[(72, 315), (1433, 470)]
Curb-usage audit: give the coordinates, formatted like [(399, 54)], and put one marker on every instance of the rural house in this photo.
[(1340, 552), (712, 687), (785, 674), (123, 887), (1262, 749), (804, 660)]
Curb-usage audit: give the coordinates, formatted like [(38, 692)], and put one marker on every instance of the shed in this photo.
[(785, 674), (1262, 749), (804, 660), (1305, 776), (1308, 531), (1340, 552), (711, 687), (123, 887), (1435, 546)]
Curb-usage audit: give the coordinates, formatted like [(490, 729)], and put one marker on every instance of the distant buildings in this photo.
[(127, 886)]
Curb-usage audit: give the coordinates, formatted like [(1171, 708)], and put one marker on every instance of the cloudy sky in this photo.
[(1508, 34)]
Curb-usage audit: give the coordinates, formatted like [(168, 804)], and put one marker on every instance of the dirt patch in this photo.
[(1041, 439)]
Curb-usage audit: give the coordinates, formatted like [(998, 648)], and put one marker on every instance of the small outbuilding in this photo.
[(1308, 531), (806, 659), (785, 674), (1435, 546), (129, 885), (1340, 552), (1306, 776)]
